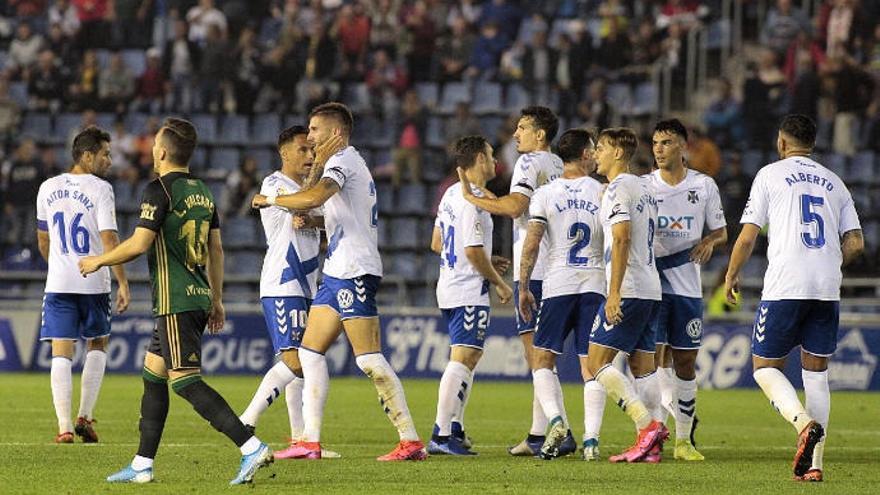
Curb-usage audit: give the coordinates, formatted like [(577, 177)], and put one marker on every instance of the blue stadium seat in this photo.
[(135, 122), (620, 96), (382, 134), (37, 125), (385, 197), (836, 162), (135, 60), (357, 97), (752, 161), (266, 128), (861, 168), (413, 198), (243, 262), (234, 130), (206, 126), (65, 123), (872, 236), (225, 158), (517, 97), (239, 231), (487, 98), (433, 166), (105, 120), (405, 233), (217, 186), (453, 94), (103, 57), (434, 132), (4, 57), (381, 156), (140, 291), (382, 233), (294, 119), (407, 265), (18, 93), (646, 99), (199, 159), (138, 265), (429, 93), (267, 159), (489, 126), (126, 201)]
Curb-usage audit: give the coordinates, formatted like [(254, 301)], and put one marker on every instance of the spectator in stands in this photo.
[(647, 48), (201, 18), (613, 14), (132, 23), (10, 113), (385, 27), (88, 119), (83, 90), (454, 50), (386, 82), (353, 30), (62, 46), (312, 14), (805, 87), (144, 148), (614, 51), (116, 85), (843, 25), (763, 94), (510, 67), (152, 87), (783, 24), (853, 91), (23, 51), (410, 139), (462, 123), (595, 111), (734, 186), (213, 71), (65, 15), (52, 166), (469, 10), (423, 36), (487, 53), (568, 73), (46, 86), (94, 31), (22, 174), (703, 154), (123, 146), (246, 78), (241, 186), (26, 8), (723, 117), (803, 48), (872, 53), (538, 64), (504, 14), (530, 25), (181, 59), (687, 13)]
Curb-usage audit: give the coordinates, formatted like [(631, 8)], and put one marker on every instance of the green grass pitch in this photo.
[(748, 447)]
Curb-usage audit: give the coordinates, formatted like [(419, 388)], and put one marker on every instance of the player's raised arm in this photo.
[(531, 246), (513, 205)]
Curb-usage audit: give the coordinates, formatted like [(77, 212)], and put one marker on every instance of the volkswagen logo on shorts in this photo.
[(694, 328), (345, 298)]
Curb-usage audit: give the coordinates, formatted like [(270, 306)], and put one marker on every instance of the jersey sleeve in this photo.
[(472, 226), (538, 206), (107, 209), (154, 206), (620, 202), (757, 205), (714, 210), (215, 219), (42, 223), (525, 176), (337, 170), (849, 218)]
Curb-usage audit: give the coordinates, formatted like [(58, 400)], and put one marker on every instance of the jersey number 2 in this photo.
[(580, 232), (809, 216), (79, 236)]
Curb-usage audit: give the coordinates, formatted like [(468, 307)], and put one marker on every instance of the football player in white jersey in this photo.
[(76, 216), (688, 205), (463, 238), (288, 281), (629, 219), (536, 166), (566, 212), (814, 229), (346, 298)]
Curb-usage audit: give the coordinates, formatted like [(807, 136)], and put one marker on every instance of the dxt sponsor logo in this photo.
[(675, 223)]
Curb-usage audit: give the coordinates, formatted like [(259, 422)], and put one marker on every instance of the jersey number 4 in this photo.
[(447, 252), (810, 216), (79, 235)]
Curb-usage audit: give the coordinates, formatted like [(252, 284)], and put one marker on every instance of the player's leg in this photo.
[(685, 336), (322, 330), (95, 313), (59, 324), (663, 361), (285, 320), (644, 370), (594, 392), (526, 329), (776, 332)]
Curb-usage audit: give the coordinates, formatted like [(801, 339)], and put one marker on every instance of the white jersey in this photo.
[(685, 211), (290, 267), (532, 170), (807, 208), (351, 217), (574, 260), (629, 198), (74, 209), (461, 225)]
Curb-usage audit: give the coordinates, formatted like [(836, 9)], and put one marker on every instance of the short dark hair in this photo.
[(800, 127), (672, 126), (180, 137), (337, 111), (544, 119), (621, 137), (466, 149), (89, 139), (572, 144), (291, 132)]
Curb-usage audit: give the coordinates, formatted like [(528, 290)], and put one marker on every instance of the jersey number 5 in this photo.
[(196, 235), (809, 216)]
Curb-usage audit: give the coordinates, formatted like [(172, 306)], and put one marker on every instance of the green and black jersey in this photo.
[(180, 209)]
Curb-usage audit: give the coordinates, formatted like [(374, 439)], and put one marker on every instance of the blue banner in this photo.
[(418, 346), (9, 360)]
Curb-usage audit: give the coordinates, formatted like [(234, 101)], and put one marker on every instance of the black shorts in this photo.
[(178, 339)]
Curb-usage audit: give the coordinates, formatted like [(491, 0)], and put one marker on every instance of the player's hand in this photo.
[(88, 264), (301, 221), (123, 298), (501, 264), (216, 318), (505, 293), (701, 253), (613, 313), (328, 148), (731, 289), (527, 305), (259, 201)]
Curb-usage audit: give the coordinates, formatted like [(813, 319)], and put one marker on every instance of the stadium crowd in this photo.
[(418, 73)]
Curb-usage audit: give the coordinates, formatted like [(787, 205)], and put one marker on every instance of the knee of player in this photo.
[(291, 359), (181, 380), (99, 344), (543, 359), (371, 365)]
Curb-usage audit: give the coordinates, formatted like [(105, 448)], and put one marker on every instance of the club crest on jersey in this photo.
[(148, 211), (345, 298), (694, 328), (693, 198)]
